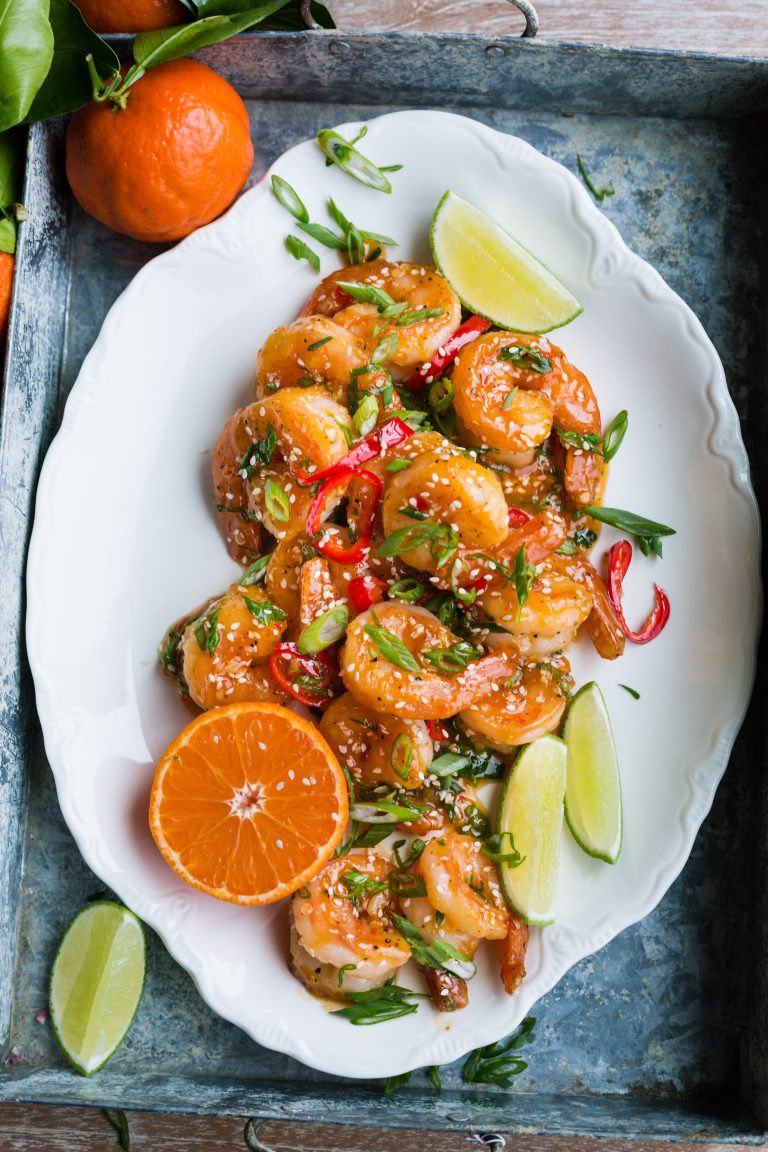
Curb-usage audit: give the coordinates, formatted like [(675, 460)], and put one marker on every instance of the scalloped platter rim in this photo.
[(174, 358)]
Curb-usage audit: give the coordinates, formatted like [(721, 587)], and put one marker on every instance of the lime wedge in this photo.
[(593, 791), (531, 810), (493, 275), (96, 983)]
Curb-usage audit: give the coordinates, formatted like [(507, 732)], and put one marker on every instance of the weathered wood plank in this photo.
[(41, 1129)]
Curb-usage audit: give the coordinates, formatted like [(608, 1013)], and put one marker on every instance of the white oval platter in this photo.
[(125, 541)]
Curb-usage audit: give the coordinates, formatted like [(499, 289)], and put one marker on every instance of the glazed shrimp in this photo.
[(522, 711), (377, 749), (412, 695), (237, 523), (418, 286), (449, 993), (331, 930), (306, 426), (555, 609), (602, 625), (463, 884), (443, 488), (224, 653), (494, 403), (313, 349)]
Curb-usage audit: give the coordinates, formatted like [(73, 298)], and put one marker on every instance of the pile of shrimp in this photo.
[(446, 573)]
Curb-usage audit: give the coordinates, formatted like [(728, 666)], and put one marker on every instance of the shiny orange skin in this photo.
[(7, 263), (174, 158), (132, 15)]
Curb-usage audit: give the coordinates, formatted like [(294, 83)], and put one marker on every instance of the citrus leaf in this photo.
[(153, 48), (11, 174), (26, 51), (289, 19), (67, 85)]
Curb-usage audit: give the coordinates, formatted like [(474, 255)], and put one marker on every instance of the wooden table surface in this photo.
[(734, 27)]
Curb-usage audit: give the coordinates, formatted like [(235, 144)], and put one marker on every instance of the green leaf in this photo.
[(11, 174), (68, 85), (391, 647), (366, 294), (526, 357), (276, 501), (26, 52), (438, 954), (255, 573), (442, 539), (289, 19), (153, 48), (453, 659), (264, 611)]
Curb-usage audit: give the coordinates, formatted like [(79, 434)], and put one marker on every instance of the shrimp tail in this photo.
[(511, 953), (448, 992)]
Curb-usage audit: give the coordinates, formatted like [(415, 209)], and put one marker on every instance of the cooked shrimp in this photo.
[(425, 694), (449, 993), (445, 489), (494, 403), (377, 749), (522, 711), (283, 576), (602, 625), (238, 524), (463, 884), (334, 928), (225, 651), (418, 286), (556, 607)]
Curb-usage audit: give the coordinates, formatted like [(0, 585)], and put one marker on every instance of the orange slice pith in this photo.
[(248, 803)]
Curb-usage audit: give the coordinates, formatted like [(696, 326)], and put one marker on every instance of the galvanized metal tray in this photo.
[(663, 1033)]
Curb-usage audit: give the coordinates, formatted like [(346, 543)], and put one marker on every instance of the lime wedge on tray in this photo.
[(593, 791), (531, 809), (96, 983), (493, 274)]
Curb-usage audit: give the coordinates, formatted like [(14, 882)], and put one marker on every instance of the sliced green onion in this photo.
[(289, 198), (324, 631), (401, 755), (300, 251), (449, 764), (440, 395), (255, 573), (408, 589), (276, 501), (366, 415), (340, 151), (323, 235), (614, 434)]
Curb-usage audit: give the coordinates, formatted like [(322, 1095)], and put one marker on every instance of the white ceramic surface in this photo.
[(125, 540)]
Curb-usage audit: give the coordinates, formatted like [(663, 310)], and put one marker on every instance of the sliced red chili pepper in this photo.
[(619, 560), (366, 590), (464, 334), (437, 731), (391, 433), (320, 667), (328, 496), (517, 517)]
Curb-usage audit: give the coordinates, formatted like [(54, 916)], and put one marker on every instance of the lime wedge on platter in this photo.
[(531, 810), (96, 983), (593, 791), (493, 274)]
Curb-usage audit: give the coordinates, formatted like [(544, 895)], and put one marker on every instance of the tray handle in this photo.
[(525, 6)]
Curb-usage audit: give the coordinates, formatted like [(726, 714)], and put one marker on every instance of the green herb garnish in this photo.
[(414, 513), (385, 349), (366, 294), (339, 151), (401, 755), (207, 631), (380, 1004), (598, 193), (324, 236), (408, 589), (452, 659), (264, 611), (395, 1082), (260, 452), (366, 415), (301, 251), (586, 441), (524, 357), (325, 630), (509, 399), (319, 343), (276, 501), (493, 848), (439, 954), (345, 968), (254, 573), (358, 885), (440, 395), (647, 532), (433, 1075), (495, 1063), (119, 1121), (170, 649), (398, 465), (441, 538), (417, 315), (391, 646), (614, 434), (524, 575), (289, 198), (632, 691)]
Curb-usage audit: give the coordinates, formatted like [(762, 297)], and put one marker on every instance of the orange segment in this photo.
[(248, 803)]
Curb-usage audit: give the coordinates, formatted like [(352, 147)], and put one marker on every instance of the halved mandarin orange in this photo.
[(248, 803)]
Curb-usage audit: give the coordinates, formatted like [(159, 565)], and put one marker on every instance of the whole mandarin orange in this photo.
[(132, 15), (174, 158), (7, 263)]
